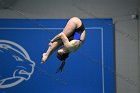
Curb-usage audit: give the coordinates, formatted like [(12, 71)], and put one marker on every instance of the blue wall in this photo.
[(89, 70)]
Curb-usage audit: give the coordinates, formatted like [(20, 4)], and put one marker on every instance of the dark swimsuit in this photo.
[(77, 33)]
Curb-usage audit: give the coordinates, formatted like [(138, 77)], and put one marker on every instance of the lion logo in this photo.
[(15, 64)]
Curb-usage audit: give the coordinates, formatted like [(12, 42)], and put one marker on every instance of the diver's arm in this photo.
[(64, 39), (57, 37)]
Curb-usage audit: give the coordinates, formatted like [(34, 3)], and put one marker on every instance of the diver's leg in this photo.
[(71, 25), (68, 30), (50, 50)]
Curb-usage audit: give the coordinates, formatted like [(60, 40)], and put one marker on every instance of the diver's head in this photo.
[(62, 54)]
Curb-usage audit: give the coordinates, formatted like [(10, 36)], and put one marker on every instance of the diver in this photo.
[(70, 40)]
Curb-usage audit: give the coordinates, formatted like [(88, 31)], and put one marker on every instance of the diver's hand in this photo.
[(44, 58), (42, 62), (50, 44)]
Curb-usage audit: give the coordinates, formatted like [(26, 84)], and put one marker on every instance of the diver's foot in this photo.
[(44, 58)]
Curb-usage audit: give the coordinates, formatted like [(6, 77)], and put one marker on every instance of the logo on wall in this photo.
[(15, 64)]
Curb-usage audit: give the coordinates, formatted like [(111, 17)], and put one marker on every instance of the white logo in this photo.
[(15, 64)]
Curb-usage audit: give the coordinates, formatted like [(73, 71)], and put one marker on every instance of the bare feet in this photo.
[(46, 55), (44, 58)]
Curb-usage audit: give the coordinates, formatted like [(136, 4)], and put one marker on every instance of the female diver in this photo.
[(70, 40)]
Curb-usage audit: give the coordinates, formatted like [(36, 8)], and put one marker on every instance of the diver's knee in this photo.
[(75, 18)]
